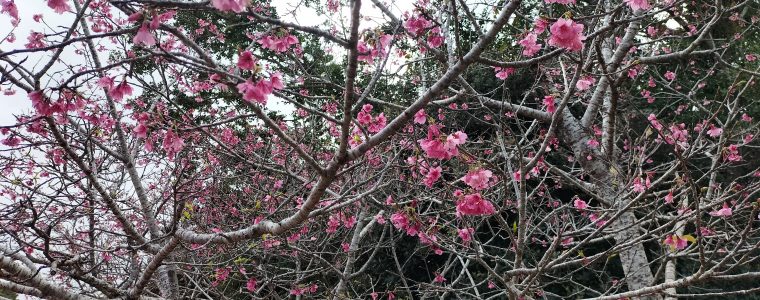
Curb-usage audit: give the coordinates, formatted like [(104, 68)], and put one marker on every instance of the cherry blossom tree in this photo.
[(190, 149)]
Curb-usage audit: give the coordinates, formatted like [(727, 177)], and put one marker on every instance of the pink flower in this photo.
[(549, 103), (580, 204), (237, 6), (420, 117), (439, 278), (465, 234), (675, 242), (251, 284), (593, 143), (530, 47), (584, 83), (478, 179), (417, 25), (503, 73), (567, 34), (257, 92), (399, 220), (750, 57), (60, 6), (106, 82), (638, 4), (144, 37), (723, 212), (732, 153), (565, 2), (9, 7), (669, 198), (172, 143), (121, 90), (456, 138), (474, 205), (432, 176), (540, 25), (670, 75), (246, 61), (141, 131), (714, 131)]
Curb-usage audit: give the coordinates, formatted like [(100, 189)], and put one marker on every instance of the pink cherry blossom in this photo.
[(144, 37), (714, 131), (503, 73), (478, 179), (9, 7), (60, 6), (540, 25), (675, 242), (246, 60), (725, 211), (530, 47), (567, 34), (237, 6), (549, 103), (120, 91), (420, 117), (250, 285), (584, 83), (465, 234), (670, 75), (638, 4), (474, 205), (432, 176), (580, 204)]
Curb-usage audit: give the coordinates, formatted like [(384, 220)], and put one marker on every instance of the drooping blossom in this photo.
[(478, 179), (675, 242), (549, 103), (144, 37), (246, 61), (432, 176), (172, 144), (34, 40), (530, 47), (417, 25), (638, 4), (106, 82), (725, 211), (60, 6), (474, 205), (120, 91), (503, 73), (237, 6), (278, 44), (437, 148), (567, 34), (9, 7), (732, 153)]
